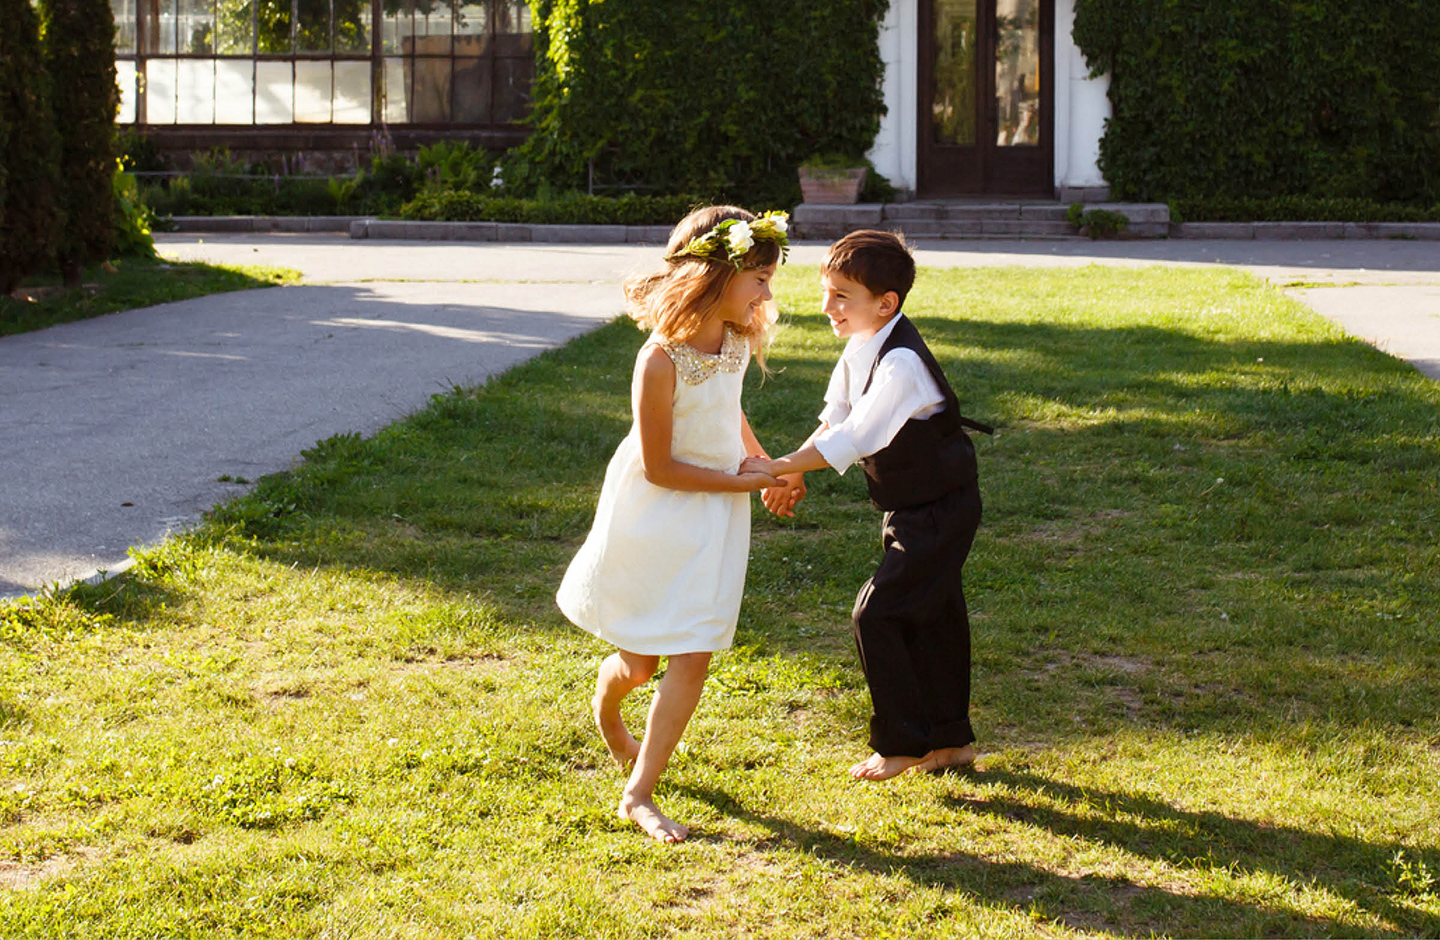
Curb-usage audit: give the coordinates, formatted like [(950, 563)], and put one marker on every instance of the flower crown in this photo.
[(732, 239)]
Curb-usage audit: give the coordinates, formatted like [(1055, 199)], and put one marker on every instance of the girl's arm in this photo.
[(653, 398)]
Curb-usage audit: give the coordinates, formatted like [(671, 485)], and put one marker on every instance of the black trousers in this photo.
[(913, 631)]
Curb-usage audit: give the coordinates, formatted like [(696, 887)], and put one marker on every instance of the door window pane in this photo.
[(196, 29), (235, 91), (160, 27), (352, 26), (273, 26), (433, 21), (397, 91), (1017, 73), (124, 13), (952, 102), (431, 101), (125, 79), (274, 93), (195, 83), (472, 91), (160, 91), (352, 93), (312, 92), (235, 29), (513, 80)]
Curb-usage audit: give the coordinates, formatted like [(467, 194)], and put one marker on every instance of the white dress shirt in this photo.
[(859, 424)]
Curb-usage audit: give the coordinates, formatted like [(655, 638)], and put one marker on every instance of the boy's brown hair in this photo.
[(879, 260)]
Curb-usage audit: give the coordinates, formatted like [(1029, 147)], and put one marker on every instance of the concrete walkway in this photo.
[(118, 429)]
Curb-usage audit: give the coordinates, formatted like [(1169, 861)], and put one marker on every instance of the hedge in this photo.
[(28, 237), (572, 209), (722, 99), (1298, 209), (1324, 98), (78, 41)]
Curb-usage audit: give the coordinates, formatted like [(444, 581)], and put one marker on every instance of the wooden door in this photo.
[(986, 95)]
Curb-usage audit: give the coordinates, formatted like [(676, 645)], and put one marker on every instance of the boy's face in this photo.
[(852, 309)]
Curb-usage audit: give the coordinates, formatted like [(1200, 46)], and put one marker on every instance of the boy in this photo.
[(890, 409)]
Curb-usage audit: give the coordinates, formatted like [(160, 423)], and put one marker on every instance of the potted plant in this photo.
[(832, 178)]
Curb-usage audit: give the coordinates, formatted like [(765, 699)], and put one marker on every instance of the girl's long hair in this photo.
[(676, 299)]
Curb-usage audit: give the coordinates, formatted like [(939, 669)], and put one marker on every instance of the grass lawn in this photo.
[(128, 283), (1205, 609)]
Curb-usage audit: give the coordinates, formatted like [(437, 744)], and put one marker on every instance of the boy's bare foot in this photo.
[(876, 767), (622, 744), (646, 815), (946, 758)]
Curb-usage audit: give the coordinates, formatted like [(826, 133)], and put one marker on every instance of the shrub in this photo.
[(132, 220), (79, 42), (1298, 209), (28, 237), (1290, 97), (721, 99), (572, 209), (455, 165)]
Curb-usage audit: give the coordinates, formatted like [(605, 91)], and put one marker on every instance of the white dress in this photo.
[(662, 571)]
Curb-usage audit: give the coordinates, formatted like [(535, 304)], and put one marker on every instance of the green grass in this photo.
[(1204, 601), (128, 283)]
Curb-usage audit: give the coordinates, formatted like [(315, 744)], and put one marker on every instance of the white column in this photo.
[(893, 152), (1081, 107)]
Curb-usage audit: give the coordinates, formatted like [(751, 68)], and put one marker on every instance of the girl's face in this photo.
[(747, 290)]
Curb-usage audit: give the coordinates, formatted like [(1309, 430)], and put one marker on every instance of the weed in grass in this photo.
[(1203, 605)]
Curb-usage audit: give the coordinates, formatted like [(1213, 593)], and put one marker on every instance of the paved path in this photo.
[(119, 428)]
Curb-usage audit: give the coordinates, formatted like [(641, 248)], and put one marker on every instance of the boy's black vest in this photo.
[(929, 457)]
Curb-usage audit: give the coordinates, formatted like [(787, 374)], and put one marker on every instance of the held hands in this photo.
[(756, 476), (788, 489)]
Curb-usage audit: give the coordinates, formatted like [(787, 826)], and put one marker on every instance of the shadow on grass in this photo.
[(1198, 842)]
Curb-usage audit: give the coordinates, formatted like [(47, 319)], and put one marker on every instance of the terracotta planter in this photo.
[(832, 187)]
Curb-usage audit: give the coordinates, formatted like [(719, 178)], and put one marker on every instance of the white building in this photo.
[(989, 97)]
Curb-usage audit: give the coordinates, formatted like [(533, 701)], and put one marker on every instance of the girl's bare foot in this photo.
[(622, 744), (646, 815), (946, 758), (876, 767)]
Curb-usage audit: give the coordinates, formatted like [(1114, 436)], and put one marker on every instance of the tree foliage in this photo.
[(717, 98), (78, 38), (1268, 98), (28, 154)]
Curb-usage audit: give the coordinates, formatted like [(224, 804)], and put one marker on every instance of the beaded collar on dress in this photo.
[(695, 366)]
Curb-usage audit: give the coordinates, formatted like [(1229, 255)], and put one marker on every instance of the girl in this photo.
[(663, 568)]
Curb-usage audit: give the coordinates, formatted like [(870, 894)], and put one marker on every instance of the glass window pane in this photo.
[(273, 18), (125, 78), (235, 91), (160, 91), (197, 27), (514, 79), (196, 86), (397, 91), (235, 29), (431, 102), (274, 93), (1017, 72), (472, 90), (472, 29), (352, 93), (952, 102), (312, 29), (125, 23), (352, 26), (312, 92), (160, 27), (512, 16), (397, 26), (433, 19)]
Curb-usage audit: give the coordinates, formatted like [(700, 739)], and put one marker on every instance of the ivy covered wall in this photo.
[(1261, 98), (707, 98)]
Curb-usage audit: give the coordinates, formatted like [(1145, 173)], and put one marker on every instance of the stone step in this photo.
[(971, 219)]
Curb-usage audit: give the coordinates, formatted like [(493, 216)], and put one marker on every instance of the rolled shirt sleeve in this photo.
[(901, 389)]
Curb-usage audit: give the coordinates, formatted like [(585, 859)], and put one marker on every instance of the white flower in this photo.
[(740, 238), (780, 224)]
